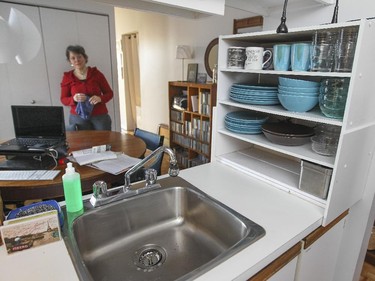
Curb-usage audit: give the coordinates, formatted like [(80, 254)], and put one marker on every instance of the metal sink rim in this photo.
[(253, 229)]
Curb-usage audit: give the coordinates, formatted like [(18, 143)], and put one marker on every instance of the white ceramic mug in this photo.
[(255, 57)]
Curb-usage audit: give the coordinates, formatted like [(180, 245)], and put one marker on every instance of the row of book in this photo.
[(191, 143), (183, 159), (176, 115), (202, 135), (199, 129), (205, 103), (201, 103)]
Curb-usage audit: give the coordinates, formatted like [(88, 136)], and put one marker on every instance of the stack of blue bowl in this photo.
[(298, 95), (244, 122)]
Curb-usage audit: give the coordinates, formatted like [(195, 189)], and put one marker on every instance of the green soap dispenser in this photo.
[(72, 189)]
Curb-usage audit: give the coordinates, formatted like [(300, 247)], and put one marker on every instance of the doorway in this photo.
[(130, 105)]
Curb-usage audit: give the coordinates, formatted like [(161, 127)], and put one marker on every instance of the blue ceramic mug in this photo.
[(281, 57), (300, 56)]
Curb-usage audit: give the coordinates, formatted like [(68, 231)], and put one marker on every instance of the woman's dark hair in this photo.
[(77, 50)]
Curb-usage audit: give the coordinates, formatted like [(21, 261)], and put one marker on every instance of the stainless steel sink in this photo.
[(174, 233)]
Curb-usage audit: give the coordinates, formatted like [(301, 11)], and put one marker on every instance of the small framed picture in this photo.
[(202, 78), (192, 72)]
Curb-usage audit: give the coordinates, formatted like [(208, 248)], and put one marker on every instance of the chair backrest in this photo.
[(152, 140)]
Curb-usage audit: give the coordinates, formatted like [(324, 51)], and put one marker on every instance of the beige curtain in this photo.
[(129, 45)]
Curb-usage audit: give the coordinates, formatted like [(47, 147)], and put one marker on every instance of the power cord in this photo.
[(54, 154)]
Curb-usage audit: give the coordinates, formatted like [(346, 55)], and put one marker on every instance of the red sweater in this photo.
[(95, 84)]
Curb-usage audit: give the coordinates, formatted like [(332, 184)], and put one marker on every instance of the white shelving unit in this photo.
[(281, 165)]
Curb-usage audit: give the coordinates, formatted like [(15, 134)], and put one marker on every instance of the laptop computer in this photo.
[(37, 129)]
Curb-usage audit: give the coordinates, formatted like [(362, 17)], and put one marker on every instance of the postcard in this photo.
[(30, 231)]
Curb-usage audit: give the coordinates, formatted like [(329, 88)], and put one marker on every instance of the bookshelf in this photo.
[(190, 121)]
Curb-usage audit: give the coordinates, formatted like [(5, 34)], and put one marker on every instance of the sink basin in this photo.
[(176, 232)]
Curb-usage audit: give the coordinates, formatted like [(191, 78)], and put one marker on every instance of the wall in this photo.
[(158, 37)]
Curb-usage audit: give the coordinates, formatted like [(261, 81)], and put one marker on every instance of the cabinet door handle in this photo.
[(33, 102)]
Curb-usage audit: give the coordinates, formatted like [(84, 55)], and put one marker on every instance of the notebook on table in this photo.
[(37, 129)]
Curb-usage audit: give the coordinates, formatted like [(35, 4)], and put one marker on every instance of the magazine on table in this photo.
[(94, 154), (116, 166)]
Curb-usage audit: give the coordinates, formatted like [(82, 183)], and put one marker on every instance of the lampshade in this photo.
[(183, 52)]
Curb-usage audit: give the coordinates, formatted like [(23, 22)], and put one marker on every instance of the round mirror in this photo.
[(211, 56)]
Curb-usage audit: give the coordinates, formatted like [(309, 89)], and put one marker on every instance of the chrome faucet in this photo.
[(172, 171), (101, 195)]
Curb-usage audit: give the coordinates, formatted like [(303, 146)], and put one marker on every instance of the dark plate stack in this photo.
[(286, 133)]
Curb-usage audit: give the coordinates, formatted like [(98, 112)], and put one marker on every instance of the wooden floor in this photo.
[(368, 272)]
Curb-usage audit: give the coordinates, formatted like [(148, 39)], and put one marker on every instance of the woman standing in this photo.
[(86, 91)]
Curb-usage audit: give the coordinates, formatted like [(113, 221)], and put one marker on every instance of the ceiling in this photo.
[(202, 8)]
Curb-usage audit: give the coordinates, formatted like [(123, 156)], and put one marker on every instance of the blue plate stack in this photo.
[(254, 94), (244, 122)]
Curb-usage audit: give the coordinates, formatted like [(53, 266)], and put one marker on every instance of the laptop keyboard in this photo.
[(32, 142)]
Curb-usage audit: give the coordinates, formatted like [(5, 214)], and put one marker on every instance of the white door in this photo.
[(26, 83), (62, 28)]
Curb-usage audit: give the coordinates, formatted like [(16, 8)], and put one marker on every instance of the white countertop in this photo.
[(286, 218)]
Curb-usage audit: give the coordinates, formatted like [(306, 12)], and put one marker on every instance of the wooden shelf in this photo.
[(196, 120)]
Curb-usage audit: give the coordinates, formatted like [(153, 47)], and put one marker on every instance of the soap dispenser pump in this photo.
[(72, 189)]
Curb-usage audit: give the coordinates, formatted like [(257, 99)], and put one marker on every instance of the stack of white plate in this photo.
[(244, 122), (254, 94)]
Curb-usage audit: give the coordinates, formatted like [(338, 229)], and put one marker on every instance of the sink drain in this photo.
[(149, 257)]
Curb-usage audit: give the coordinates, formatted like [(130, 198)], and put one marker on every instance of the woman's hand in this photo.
[(79, 97), (95, 99)]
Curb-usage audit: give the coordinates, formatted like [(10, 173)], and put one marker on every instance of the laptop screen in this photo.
[(38, 121)]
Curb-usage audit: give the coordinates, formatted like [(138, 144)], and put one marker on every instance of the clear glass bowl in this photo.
[(324, 145)]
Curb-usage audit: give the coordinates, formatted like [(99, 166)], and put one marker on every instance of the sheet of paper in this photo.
[(84, 157), (118, 165)]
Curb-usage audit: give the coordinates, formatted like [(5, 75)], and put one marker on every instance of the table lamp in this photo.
[(183, 52)]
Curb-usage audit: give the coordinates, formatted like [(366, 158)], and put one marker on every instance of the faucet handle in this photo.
[(99, 189), (173, 170), (151, 176)]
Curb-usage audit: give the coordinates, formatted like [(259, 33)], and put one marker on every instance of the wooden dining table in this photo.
[(77, 140)]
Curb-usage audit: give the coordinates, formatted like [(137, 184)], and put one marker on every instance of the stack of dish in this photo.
[(254, 94), (298, 95), (286, 133), (244, 122)]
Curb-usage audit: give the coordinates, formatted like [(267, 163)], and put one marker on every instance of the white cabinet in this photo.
[(280, 165), (23, 84), (318, 261), (286, 273), (38, 80)]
